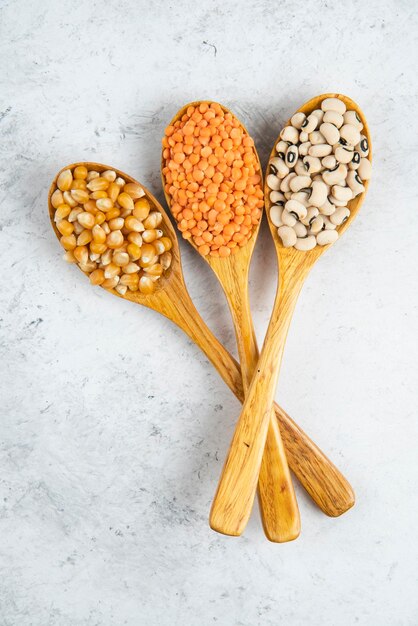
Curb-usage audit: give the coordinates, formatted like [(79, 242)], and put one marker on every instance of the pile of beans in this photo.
[(320, 165), (110, 230), (213, 179)]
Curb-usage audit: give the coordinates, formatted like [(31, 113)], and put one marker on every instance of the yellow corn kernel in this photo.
[(142, 208), (110, 283), (78, 184), (65, 227), (62, 211), (57, 198), (154, 270), (104, 204), (132, 223), (146, 285), (131, 268), (112, 270), (99, 234), (120, 258), (167, 243), (153, 220), (64, 180), (150, 235), (80, 196), (80, 172), (159, 247), (121, 289), (117, 223), (68, 242), (125, 201), (69, 257), (165, 260), (81, 253), (92, 175), (84, 238), (115, 212), (106, 257), (134, 251), (100, 218), (88, 267), (135, 238), (98, 195), (130, 280), (68, 199), (86, 219), (78, 228), (109, 175), (98, 248), (147, 254), (97, 277), (98, 184), (91, 207), (113, 191), (114, 239), (134, 190)]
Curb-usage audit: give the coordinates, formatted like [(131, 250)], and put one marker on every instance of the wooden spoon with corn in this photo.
[(240, 471), (322, 480)]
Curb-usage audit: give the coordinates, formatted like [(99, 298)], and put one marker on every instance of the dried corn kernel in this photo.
[(101, 218)]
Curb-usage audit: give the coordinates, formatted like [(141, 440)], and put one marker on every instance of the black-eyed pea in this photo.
[(338, 173), (352, 117), (276, 196), (333, 104), (311, 214), (302, 196), (343, 154), (312, 164), (326, 237), (281, 148), (328, 225), (319, 193), (273, 182), (319, 114), (305, 243), (330, 132), (332, 117), (290, 134), (365, 169), (355, 161), (300, 168), (299, 182), (295, 209), (304, 147), (316, 225), (310, 123), (297, 120), (350, 133), (342, 193), (320, 150), (336, 202), (284, 184), (292, 155), (340, 216), (316, 138), (300, 229), (288, 219), (329, 162), (276, 215), (287, 235), (328, 208), (303, 137), (278, 167), (355, 183)]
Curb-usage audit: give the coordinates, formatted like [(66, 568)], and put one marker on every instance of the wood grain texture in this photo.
[(241, 469), (319, 476), (278, 505)]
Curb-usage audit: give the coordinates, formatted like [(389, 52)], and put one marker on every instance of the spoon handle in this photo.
[(319, 476), (234, 497), (278, 505)]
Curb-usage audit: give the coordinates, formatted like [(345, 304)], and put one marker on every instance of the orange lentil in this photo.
[(213, 178)]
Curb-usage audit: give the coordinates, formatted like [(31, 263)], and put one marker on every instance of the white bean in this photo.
[(278, 167), (342, 193), (273, 182), (333, 104), (305, 243), (351, 117), (303, 137), (340, 215), (311, 214), (330, 132), (333, 177), (281, 148), (312, 164), (365, 169), (300, 229), (293, 207), (355, 161), (300, 168), (355, 183), (350, 133), (326, 237), (300, 182), (317, 138), (291, 157), (334, 118), (329, 162), (276, 215), (343, 154), (302, 197), (290, 134), (284, 185), (297, 120), (320, 150), (287, 235), (304, 147), (319, 193), (327, 208), (287, 219), (310, 124), (316, 225), (363, 146), (276, 196)]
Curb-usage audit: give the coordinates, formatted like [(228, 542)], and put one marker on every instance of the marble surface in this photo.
[(113, 425)]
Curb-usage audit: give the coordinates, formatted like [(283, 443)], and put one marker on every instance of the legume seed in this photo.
[(342, 193), (310, 216), (355, 161), (304, 147), (363, 146), (319, 114), (282, 147), (297, 120), (299, 182), (300, 229), (310, 123), (341, 215), (332, 117), (365, 169), (327, 208), (326, 237), (293, 207), (276, 215), (288, 219), (320, 150), (319, 194), (344, 154), (276, 197), (330, 132), (351, 117), (290, 134), (303, 137), (291, 156), (305, 243), (312, 164), (355, 183), (273, 182), (284, 185), (287, 235), (316, 225), (333, 104), (329, 162), (350, 133), (278, 167)]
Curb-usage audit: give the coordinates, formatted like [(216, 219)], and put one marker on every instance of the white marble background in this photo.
[(113, 425)]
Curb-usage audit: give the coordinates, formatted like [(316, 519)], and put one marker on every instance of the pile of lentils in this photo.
[(110, 229), (212, 176), (320, 165)]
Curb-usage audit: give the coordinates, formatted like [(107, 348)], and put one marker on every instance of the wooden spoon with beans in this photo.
[(294, 266), (322, 480)]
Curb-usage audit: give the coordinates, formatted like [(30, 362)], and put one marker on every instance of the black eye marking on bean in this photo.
[(343, 142), (305, 123), (295, 215), (273, 169), (357, 116), (356, 158), (358, 179), (281, 155), (290, 156), (364, 144)]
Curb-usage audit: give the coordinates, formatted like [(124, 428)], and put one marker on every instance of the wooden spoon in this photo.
[(322, 480), (278, 505), (240, 471)]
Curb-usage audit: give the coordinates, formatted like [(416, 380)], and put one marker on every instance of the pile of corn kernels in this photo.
[(212, 176), (319, 167), (109, 228)]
